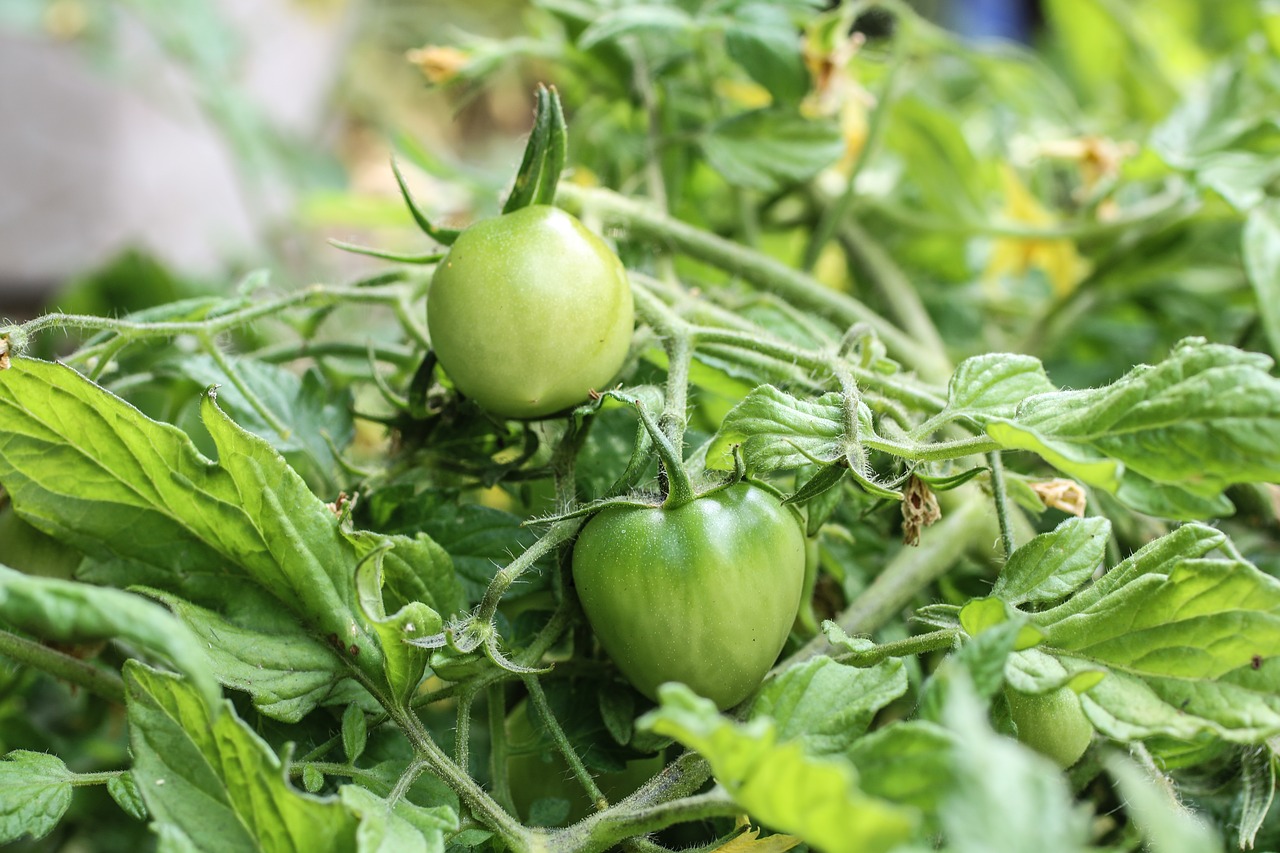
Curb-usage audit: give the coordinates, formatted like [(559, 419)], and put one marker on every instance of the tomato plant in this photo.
[(913, 406), (529, 312), (703, 593)]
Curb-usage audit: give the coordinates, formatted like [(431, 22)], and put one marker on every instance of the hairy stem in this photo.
[(604, 830), (995, 460), (758, 269), (81, 673), (539, 699), (916, 645)]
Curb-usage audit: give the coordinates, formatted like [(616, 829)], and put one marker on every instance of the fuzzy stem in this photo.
[(501, 784), (760, 270), (604, 830), (995, 460), (919, 644), (539, 699), (81, 673)]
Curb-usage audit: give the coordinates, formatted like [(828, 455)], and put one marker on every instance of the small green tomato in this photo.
[(1053, 724), (529, 312)]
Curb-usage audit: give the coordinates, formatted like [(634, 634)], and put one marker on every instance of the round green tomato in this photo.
[(529, 312), (1053, 724), (703, 594)]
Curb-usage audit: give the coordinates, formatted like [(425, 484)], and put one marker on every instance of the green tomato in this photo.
[(529, 312), (704, 594), (1053, 723)]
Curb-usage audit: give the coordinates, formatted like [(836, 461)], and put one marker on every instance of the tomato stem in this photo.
[(81, 673), (758, 269), (1001, 495), (539, 699)]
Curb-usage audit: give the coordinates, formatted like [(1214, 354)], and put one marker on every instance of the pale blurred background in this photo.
[(216, 136)]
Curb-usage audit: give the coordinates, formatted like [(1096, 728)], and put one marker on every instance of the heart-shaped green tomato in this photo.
[(704, 594)]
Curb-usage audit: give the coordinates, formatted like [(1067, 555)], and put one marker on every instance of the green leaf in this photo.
[(776, 430), (827, 705), (124, 790), (1239, 97), (285, 670), (993, 385), (307, 405), (939, 164), (404, 664), (907, 762), (981, 615), (666, 21), (1189, 644), (1240, 177), (1258, 791), (1203, 419), (762, 39), (980, 663), (387, 829), (82, 465), (35, 792), (1203, 620), (1005, 798), (769, 149), (816, 799), (1261, 242), (1166, 825), (1035, 671), (216, 781), (69, 612), (1053, 565), (477, 539), (355, 734)]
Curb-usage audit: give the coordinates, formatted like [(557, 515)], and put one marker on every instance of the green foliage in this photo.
[(906, 288)]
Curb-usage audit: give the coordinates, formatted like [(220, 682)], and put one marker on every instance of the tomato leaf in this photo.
[(777, 431), (1166, 824), (1201, 420), (286, 671), (814, 798), (69, 612), (1190, 644), (385, 828), (318, 418), (82, 465), (214, 780), (1053, 565), (124, 790), (35, 792), (1261, 243), (827, 705), (993, 385), (649, 18), (907, 762), (768, 149), (762, 39), (1258, 791)]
